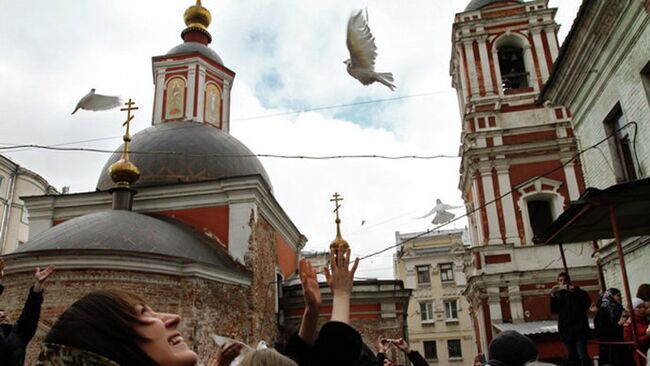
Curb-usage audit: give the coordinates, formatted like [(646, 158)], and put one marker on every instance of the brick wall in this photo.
[(205, 306)]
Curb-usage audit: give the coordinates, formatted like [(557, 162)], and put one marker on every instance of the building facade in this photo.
[(438, 316), (204, 237), (603, 77), (517, 170), (17, 182)]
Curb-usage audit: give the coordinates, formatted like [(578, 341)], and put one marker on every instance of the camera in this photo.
[(388, 340)]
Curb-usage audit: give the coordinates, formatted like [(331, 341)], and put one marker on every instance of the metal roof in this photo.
[(123, 232), (478, 4), (179, 152), (589, 219), (537, 327)]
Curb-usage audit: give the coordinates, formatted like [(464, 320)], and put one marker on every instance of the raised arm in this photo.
[(26, 325), (340, 278), (2, 273), (311, 291)]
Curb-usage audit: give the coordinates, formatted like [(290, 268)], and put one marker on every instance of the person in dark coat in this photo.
[(337, 343), (571, 304), (510, 348), (15, 337), (609, 322)]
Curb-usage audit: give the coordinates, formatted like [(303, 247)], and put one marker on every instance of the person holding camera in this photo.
[(571, 304)]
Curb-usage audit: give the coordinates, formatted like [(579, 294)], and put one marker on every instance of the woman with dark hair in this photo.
[(115, 328), (609, 322)]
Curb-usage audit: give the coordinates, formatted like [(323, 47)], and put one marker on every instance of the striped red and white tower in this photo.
[(191, 81), (517, 172)]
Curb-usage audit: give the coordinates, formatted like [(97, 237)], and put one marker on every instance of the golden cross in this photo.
[(336, 199), (130, 106)]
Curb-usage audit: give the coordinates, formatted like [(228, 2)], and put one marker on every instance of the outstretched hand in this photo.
[(401, 344), (339, 276), (226, 354), (310, 286), (41, 276)]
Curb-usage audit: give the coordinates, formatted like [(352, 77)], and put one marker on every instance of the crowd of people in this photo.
[(613, 324), (112, 327)]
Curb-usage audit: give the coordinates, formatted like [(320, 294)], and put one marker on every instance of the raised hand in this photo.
[(41, 276), (383, 345), (309, 282), (226, 354), (2, 267), (340, 277), (401, 344)]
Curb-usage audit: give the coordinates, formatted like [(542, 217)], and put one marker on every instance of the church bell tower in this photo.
[(191, 81)]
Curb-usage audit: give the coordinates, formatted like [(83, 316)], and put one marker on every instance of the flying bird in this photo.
[(363, 52), (97, 102), (442, 215)]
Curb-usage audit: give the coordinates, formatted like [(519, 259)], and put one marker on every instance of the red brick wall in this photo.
[(205, 307)]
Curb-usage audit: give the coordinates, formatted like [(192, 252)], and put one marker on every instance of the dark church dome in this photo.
[(478, 4), (179, 152), (194, 47), (120, 231)]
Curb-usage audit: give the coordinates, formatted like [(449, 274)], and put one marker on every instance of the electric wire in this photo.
[(578, 154)]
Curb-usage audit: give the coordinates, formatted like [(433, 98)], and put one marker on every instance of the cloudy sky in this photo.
[(288, 58)]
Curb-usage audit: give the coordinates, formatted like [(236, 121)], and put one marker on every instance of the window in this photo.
[(512, 67), (446, 272), (430, 350), (453, 346), (423, 274), (540, 215), (451, 310), (24, 217), (620, 145), (426, 312)]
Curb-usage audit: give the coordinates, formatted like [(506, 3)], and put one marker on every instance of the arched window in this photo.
[(175, 98), (512, 68), (213, 104), (512, 52), (540, 204)]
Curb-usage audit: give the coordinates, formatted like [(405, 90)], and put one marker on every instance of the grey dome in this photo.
[(129, 232), (178, 152), (193, 47), (478, 4)]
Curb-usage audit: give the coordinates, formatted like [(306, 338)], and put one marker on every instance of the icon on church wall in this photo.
[(175, 98), (212, 104)]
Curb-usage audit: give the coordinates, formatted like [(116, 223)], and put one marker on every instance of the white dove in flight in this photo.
[(363, 52), (97, 102), (442, 215)]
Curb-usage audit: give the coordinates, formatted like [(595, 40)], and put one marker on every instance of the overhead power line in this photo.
[(577, 155), (22, 147)]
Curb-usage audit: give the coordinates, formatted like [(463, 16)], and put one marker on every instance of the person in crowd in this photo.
[(643, 293), (15, 337), (571, 304), (641, 321), (265, 357), (509, 348), (414, 356), (337, 342), (609, 322), (111, 327)]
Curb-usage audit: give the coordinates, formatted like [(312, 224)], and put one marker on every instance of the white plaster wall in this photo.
[(619, 80)]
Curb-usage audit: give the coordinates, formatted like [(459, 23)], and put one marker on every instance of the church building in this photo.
[(517, 170), (193, 226)]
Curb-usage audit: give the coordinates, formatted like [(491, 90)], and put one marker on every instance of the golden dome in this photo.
[(196, 16), (123, 173), (339, 243)]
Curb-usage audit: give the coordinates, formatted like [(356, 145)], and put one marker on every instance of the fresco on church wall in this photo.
[(212, 104), (174, 99)]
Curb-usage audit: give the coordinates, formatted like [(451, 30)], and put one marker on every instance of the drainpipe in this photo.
[(5, 215)]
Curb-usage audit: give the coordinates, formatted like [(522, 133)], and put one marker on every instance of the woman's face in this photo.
[(618, 298), (640, 310), (164, 343)]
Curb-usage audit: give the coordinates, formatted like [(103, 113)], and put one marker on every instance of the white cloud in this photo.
[(55, 51)]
